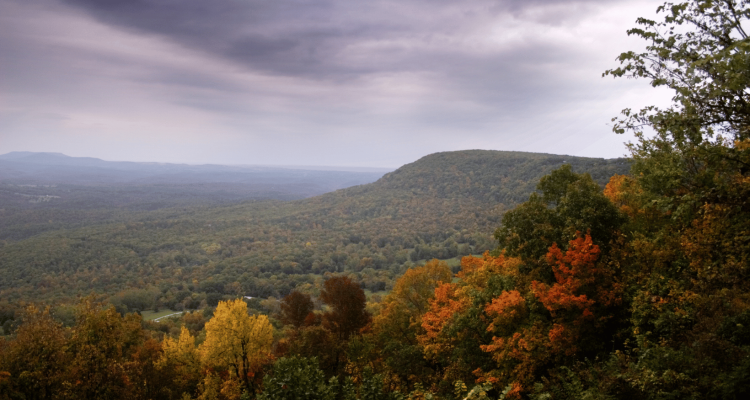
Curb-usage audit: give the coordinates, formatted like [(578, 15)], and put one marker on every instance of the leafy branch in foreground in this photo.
[(700, 50)]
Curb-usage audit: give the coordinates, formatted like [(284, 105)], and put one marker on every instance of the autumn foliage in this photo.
[(296, 308), (237, 342), (347, 314)]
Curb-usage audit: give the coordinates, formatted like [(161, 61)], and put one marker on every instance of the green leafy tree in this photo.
[(687, 262), (296, 378), (567, 203), (701, 52), (319, 343)]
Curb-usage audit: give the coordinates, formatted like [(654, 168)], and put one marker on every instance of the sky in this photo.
[(375, 83)]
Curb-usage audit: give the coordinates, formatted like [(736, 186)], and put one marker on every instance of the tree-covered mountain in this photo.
[(442, 206), (502, 177)]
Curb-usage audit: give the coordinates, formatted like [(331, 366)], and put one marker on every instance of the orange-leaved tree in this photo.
[(396, 327), (581, 289), (455, 326), (528, 339)]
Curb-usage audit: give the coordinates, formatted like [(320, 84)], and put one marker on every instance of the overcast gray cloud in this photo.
[(331, 39), (327, 82)]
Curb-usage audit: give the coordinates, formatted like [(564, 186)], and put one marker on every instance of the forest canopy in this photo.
[(443, 206)]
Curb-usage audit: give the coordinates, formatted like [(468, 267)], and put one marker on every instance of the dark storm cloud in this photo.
[(286, 37), (345, 40), (316, 38)]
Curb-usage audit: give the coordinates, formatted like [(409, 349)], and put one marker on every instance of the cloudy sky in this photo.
[(375, 83)]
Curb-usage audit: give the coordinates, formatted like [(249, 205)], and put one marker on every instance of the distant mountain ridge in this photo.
[(48, 191), (85, 182), (58, 167)]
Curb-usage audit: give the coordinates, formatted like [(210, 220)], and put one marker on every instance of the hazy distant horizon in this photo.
[(280, 166), (301, 167)]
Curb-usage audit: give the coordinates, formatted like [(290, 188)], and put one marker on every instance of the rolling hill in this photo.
[(444, 205)]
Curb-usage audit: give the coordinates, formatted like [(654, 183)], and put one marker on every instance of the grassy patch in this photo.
[(150, 315)]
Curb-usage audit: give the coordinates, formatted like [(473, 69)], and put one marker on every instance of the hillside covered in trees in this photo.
[(443, 206), (637, 290)]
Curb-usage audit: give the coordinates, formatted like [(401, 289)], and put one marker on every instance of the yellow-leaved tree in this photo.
[(237, 342), (182, 359)]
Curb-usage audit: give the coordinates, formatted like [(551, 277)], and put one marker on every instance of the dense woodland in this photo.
[(639, 288), (443, 206)]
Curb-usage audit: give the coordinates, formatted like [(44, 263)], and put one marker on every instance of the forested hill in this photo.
[(493, 176), (444, 205)]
